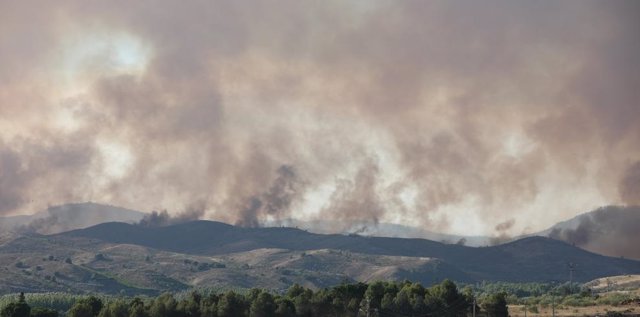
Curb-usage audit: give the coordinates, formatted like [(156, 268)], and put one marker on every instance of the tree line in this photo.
[(345, 300)]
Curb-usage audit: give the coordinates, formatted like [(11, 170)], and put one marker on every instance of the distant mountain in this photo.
[(69, 217), (612, 230)]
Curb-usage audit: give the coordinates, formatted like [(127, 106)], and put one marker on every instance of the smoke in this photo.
[(275, 201), (56, 219), (502, 232), (609, 230), (441, 114), (163, 218), (580, 236), (355, 204), (630, 185), (504, 226), (11, 180), (45, 225), (30, 167)]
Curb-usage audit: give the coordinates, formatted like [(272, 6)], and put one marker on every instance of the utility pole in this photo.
[(572, 267), (474, 306), (367, 309)]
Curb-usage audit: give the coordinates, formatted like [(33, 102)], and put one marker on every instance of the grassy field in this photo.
[(627, 283), (614, 294), (599, 310)]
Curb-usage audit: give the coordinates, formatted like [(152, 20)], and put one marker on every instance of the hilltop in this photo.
[(119, 257)]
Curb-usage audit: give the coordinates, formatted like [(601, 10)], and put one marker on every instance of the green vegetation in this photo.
[(43, 312), (546, 294), (16, 309), (375, 299), (517, 289)]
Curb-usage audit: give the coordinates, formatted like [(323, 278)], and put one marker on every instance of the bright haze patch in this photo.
[(88, 53), (453, 116)]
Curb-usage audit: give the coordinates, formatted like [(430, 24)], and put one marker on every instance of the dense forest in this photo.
[(374, 299)]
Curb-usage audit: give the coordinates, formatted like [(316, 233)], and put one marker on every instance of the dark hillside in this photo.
[(528, 259)]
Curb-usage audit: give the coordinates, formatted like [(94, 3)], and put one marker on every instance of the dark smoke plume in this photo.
[(356, 204), (275, 201), (609, 230), (163, 218), (42, 225), (502, 235)]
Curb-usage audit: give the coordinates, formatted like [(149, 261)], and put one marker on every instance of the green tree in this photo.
[(263, 306), (163, 306), (496, 305), (374, 293), (231, 305), (136, 308), (190, 307), (402, 303), (295, 290), (302, 303), (209, 306), (80, 309), (285, 307), (117, 308), (19, 309), (94, 303), (445, 300)]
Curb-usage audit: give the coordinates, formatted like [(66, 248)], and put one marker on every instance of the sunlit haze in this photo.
[(476, 118)]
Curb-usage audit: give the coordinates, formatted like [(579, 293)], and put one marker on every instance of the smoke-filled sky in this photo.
[(474, 117)]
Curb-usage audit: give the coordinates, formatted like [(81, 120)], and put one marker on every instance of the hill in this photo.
[(327, 226), (133, 259), (528, 259), (608, 230), (621, 283), (67, 217)]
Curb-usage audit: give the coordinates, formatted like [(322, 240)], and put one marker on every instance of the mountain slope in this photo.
[(528, 259), (381, 229), (60, 263), (134, 259)]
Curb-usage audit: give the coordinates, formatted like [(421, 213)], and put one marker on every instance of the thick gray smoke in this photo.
[(609, 230), (630, 185), (355, 204), (446, 115), (502, 232), (163, 218), (275, 201)]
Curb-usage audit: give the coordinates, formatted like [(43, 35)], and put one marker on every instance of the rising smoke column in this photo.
[(470, 111)]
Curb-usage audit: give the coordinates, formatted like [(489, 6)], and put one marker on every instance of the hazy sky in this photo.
[(474, 117)]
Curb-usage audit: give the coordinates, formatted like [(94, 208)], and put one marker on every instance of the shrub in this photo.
[(43, 312)]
